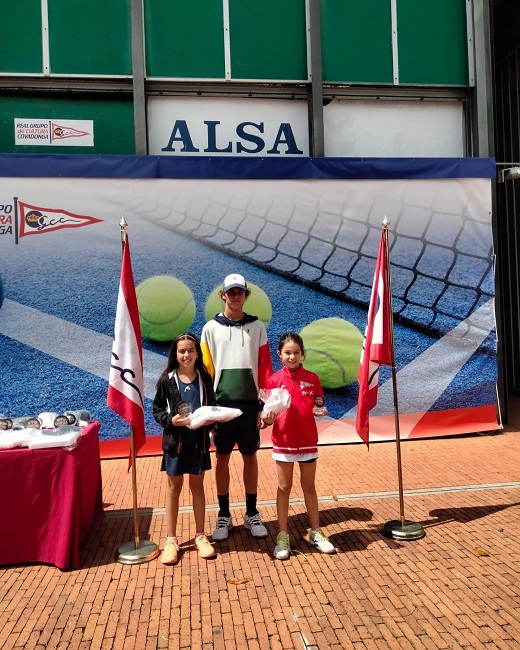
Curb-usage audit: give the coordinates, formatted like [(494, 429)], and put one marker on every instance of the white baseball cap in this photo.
[(234, 281)]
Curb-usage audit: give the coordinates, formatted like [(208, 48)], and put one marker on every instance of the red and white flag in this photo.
[(125, 390), (376, 350)]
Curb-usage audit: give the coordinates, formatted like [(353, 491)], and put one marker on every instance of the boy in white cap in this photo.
[(236, 353)]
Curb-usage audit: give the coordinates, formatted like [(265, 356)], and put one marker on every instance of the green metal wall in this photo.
[(431, 42), (89, 37), (21, 36), (255, 41), (184, 38), (267, 40), (113, 121), (84, 37)]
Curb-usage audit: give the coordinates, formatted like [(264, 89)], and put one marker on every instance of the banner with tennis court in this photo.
[(304, 233)]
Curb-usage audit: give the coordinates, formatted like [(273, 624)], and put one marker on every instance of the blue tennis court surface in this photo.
[(80, 285)]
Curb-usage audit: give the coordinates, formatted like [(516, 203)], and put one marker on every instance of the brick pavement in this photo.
[(458, 587)]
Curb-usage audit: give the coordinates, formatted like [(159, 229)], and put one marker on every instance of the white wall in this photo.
[(402, 129)]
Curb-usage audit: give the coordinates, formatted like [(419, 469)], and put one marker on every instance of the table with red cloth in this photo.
[(49, 500)]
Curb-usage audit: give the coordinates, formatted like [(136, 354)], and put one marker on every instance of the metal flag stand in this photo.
[(138, 551), (400, 529)]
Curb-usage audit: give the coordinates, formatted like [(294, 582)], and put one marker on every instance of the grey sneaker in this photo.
[(321, 541), (282, 550), (221, 532), (255, 525)]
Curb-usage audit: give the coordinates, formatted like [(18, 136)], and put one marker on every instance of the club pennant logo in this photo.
[(61, 132), (34, 220)]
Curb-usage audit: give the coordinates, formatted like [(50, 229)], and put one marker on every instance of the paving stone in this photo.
[(455, 588)]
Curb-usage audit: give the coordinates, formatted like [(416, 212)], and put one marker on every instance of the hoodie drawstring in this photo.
[(241, 332)]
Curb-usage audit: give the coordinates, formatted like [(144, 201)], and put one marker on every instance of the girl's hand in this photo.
[(181, 420), (267, 420)]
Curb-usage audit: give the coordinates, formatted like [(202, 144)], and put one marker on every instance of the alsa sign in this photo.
[(213, 128), (249, 139)]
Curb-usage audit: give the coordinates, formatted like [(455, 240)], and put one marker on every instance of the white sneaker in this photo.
[(221, 532), (321, 541), (255, 525), (282, 550)]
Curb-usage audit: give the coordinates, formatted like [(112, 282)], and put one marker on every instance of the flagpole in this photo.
[(400, 529), (135, 552)]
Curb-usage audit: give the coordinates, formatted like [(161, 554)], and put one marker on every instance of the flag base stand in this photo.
[(145, 551), (408, 532)]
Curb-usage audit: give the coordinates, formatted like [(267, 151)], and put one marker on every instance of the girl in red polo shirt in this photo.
[(295, 440)]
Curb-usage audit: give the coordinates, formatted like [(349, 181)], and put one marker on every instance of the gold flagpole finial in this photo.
[(386, 223), (122, 227)]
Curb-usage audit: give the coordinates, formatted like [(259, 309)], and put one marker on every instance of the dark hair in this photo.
[(172, 362), (291, 336), (222, 293)]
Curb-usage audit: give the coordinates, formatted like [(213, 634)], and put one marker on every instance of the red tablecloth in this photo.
[(49, 500)]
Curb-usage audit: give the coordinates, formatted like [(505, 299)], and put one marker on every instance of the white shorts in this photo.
[(295, 458)]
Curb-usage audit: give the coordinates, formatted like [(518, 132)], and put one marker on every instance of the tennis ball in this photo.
[(258, 304), (332, 351), (166, 307)]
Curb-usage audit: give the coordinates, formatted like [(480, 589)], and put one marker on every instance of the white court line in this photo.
[(424, 379), (420, 383), (76, 345)]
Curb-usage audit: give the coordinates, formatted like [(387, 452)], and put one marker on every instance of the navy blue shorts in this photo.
[(241, 431)]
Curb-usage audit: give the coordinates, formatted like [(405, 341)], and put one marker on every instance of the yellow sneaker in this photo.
[(204, 547), (170, 554), (282, 550)]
